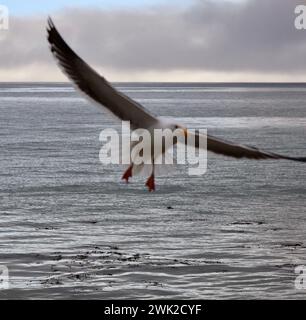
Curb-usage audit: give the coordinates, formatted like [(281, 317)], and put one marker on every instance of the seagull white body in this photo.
[(157, 149), (100, 91)]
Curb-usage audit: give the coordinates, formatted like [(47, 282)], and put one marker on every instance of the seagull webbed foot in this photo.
[(127, 174), (151, 183)]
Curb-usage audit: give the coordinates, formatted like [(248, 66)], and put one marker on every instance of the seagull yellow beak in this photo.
[(185, 131)]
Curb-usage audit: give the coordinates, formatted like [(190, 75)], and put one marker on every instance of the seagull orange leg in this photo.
[(151, 183), (127, 174)]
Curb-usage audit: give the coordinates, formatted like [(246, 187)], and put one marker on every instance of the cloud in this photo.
[(207, 40)]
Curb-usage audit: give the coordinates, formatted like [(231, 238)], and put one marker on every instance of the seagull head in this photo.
[(164, 124), (177, 126)]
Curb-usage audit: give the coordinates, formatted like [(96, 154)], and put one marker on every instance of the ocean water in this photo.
[(70, 228)]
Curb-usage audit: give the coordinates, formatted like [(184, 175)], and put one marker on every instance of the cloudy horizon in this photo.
[(206, 41)]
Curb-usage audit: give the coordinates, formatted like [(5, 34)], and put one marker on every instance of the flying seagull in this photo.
[(100, 91)]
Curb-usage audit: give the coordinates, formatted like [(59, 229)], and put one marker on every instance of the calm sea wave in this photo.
[(71, 229)]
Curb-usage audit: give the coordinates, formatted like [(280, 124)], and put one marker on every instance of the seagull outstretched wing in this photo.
[(231, 149), (95, 86)]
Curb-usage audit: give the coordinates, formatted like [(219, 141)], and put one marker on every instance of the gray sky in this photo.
[(251, 40)]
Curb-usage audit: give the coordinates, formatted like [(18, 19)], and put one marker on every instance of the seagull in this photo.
[(101, 92)]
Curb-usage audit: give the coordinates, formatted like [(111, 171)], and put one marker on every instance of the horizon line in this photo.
[(208, 82)]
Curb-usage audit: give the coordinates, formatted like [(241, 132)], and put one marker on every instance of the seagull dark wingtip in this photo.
[(50, 22), (300, 159)]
